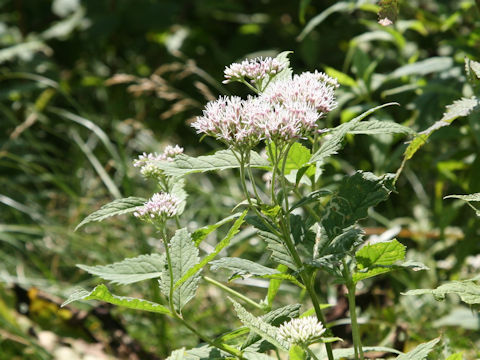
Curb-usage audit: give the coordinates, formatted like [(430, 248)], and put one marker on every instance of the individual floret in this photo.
[(301, 331), (159, 207)]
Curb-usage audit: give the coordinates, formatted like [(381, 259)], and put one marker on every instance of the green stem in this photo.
[(282, 178), (357, 343), (306, 278), (318, 310), (232, 292), (170, 269), (308, 281)]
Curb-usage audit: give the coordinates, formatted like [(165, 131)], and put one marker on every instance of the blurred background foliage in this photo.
[(88, 85)]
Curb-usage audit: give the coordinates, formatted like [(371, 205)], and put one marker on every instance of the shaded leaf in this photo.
[(356, 194)]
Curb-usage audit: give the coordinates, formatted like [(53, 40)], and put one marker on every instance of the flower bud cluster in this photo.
[(301, 330), (146, 162), (256, 70), (159, 207), (288, 108)]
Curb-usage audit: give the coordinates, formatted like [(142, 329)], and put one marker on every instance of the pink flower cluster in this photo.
[(287, 109), (256, 69), (146, 162), (161, 205), (316, 89)]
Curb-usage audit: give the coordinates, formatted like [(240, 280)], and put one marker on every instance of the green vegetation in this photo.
[(89, 85)]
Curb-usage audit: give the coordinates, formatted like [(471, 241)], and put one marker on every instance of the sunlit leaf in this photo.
[(101, 293), (131, 270)]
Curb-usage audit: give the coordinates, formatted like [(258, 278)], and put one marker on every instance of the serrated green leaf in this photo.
[(242, 267), (224, 159), (335, 141), (280, 252), (336, 249), (184, 256), (420, 352), (220, 246), (257, 325), (376, 259), (312, 197), (298, 156), (200, 234), (356, 194), (178, 190), (372, 127), (101, 293), (130, 270), (275, 318), (468, 291), (246, 268), (116, 207), (459, 108)]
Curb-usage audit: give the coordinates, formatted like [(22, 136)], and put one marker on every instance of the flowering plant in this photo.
[(309, 225)]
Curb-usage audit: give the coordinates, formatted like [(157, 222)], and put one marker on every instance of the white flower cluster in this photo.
[(301, 330), (288, 109), (146, 162), (160, 206), (255, 70)]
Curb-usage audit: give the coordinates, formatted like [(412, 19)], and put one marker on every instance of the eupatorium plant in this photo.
[(308, 226)]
